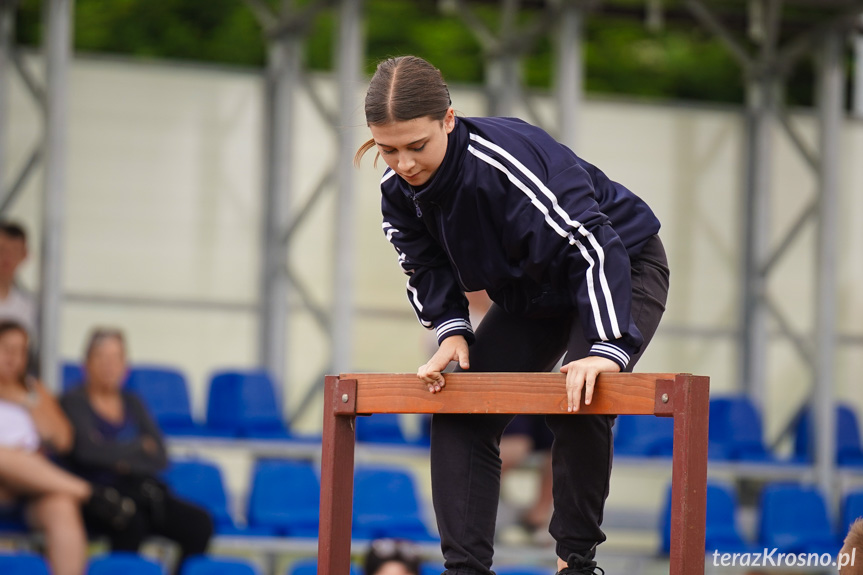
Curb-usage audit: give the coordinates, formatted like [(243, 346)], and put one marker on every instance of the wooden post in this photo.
[(337, 475), (690, 399)]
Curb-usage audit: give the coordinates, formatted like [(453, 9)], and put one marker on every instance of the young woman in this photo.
[(32, 423), (572, 262), (118, 444)]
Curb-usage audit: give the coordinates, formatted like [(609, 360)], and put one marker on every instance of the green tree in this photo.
[(621, 55)]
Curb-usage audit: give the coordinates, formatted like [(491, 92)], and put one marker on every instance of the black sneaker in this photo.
[(581, 565), (107, 505)]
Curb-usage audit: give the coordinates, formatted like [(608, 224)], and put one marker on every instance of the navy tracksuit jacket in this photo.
[(514, 212)]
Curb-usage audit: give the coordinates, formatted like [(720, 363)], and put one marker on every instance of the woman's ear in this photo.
[(449, 120)]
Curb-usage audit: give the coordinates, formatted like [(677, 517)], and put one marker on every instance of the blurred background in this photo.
[(183, 172)]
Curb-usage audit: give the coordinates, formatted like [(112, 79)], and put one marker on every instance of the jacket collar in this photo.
[(445, 178)]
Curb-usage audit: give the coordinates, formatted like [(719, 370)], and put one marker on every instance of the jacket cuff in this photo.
[(455, 326), (612, 351)]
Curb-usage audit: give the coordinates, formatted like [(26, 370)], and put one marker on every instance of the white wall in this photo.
[(164, 202)]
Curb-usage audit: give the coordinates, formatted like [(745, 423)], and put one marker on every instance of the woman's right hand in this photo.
[(453, 348)]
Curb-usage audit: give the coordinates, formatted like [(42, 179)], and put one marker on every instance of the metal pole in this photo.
[(830, 107), (755, 217), (502, 83), (7, 21), (58, 47), (283, 71), (857, 105), (502, 65), (350, 64), (570, 73)]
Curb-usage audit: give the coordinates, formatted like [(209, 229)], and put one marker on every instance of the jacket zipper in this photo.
[(449, 255), (416, 203)]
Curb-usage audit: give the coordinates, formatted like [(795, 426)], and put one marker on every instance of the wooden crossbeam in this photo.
[(684, 397)]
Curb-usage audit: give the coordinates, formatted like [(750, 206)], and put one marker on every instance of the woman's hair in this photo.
[(8, 325), (385, 550), (854, 540), (402, 89), (99, 335), (13, 230)]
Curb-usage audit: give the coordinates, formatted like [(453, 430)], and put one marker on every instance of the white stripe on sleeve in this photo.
[(452, 325), (612, 350), (591, 292), (415, 298)]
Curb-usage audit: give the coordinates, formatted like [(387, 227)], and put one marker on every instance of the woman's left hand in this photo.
[(581, 374)]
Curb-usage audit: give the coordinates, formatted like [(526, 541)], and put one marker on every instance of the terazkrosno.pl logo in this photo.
[(773, 558)]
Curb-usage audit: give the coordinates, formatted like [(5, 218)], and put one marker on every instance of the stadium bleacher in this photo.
[(849, 452), (794, 519), (285, 498), (22, 564), (219, 566), (125, 564), (722, 532), (386, 505), (165, 392), (243, 404)]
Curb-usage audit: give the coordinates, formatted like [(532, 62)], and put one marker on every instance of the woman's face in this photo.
[(106, 365), (13, 354), (414, 149)]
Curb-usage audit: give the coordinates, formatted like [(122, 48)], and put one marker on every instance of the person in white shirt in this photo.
[(31, 425)]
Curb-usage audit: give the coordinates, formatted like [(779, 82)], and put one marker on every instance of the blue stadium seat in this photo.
[(430, 568), (201, 482), (285, 498), (165, 392), (304, 567), (124, 564), (243, 404), (380, 428), (794, 519), (23, 564), (424, 438), (72, 376), (386, 505), (218, 566), (644, 436), (848, 447), (522, 570), (852, 509), (721, 531), (735, 431)]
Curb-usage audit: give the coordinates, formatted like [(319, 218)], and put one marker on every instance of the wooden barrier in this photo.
[(681, 396)]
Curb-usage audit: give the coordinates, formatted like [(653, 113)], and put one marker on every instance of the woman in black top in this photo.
[(571, 260), (117, 443)]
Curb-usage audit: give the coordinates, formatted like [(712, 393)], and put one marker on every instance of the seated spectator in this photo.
[(118, 444), (16, 303), (391, 557), (852, 562), (31, 424)]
